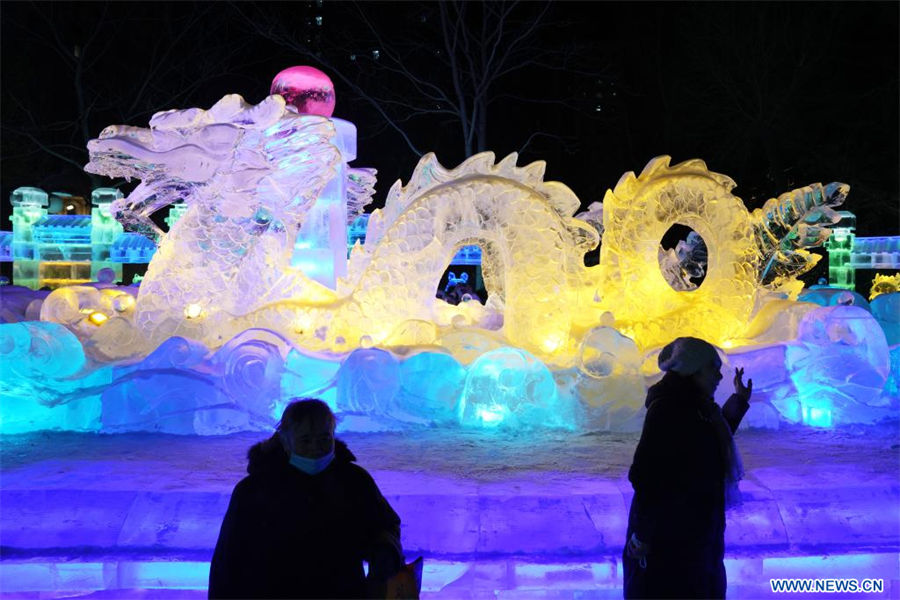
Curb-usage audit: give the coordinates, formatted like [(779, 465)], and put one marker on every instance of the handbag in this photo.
[(407, 582)]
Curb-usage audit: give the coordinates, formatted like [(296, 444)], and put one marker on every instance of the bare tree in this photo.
[(90, 65), (429, 69)]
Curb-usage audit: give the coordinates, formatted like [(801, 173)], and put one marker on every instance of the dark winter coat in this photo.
[(678, 509), (291, 535)]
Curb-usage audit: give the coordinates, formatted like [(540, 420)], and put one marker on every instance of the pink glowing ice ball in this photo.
[(306, 88)]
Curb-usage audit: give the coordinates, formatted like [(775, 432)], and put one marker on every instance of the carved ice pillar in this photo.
[(104, 231), (28, 206), (321, 247)]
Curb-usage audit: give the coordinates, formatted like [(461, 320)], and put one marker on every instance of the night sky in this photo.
[(775, 95)]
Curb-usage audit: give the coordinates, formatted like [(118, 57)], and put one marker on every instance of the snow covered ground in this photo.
[(530, 515)]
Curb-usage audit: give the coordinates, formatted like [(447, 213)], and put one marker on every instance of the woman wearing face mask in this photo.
[(304, 519), (685, 474)]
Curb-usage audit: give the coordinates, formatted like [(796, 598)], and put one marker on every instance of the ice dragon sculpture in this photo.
[(228, 323), (251, 173)]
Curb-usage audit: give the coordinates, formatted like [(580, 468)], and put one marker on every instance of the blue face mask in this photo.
[(312, 466)]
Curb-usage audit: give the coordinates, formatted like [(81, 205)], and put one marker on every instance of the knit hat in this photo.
[(687, 355)]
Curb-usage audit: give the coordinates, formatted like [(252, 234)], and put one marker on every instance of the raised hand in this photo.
[(743, 391)]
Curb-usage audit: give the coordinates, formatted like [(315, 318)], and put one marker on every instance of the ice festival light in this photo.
[(250, 298)]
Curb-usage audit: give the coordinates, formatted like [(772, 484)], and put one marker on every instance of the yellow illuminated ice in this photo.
[(97, 318), (749, 255), (884, 284), (261, 171)]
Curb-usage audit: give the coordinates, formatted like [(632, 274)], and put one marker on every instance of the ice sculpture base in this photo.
[(137, 515)]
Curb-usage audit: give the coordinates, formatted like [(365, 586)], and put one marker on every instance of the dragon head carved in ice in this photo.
[(233, 158), (249, 175)]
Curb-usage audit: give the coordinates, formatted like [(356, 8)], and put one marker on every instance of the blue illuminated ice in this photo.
[(368, 381), (510, 387), (38, 350), (308, 377), (886, 310), (431, 386), (839, 366), (43, 380), (833, 296)]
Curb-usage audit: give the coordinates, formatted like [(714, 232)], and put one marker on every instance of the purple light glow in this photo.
[(505, 515)]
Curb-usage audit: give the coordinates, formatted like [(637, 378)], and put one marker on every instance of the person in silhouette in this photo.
[(304, 519), (685, 474)]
